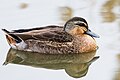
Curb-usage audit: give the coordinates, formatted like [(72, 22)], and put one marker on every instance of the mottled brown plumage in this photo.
[(73, 37)]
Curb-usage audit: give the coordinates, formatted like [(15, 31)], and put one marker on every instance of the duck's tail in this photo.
[(11, 37)]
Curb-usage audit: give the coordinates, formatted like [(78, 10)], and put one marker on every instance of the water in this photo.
[(36, 13), (75, 65)]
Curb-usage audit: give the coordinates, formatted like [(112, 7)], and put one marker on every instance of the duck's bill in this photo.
[(89, 32)]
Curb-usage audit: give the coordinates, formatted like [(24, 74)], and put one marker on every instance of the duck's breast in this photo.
[(85, 43)]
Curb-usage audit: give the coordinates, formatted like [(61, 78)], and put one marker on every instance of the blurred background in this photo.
[(103, 17)]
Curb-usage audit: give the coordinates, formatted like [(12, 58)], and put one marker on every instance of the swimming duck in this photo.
[(73, 37)]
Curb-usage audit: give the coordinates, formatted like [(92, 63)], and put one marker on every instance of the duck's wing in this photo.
[(49, 33)]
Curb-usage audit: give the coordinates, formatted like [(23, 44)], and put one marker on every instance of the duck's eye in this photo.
[(80, 24)]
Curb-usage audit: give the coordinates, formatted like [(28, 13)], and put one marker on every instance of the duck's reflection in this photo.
[(75, 65)]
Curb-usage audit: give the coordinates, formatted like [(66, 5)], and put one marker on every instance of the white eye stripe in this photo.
[(78, 22)]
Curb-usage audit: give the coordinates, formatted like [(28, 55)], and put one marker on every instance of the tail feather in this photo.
[(6, 31), (11, 37)]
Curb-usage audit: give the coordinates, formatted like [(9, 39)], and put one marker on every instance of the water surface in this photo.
[(103, 18)]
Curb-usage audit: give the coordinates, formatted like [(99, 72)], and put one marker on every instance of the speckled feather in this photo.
[(49, 33), (73, 37)]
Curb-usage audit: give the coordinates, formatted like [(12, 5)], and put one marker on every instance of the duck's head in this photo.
[(78, 26)]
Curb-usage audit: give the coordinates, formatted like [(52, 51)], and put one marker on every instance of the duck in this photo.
[(73, 37)]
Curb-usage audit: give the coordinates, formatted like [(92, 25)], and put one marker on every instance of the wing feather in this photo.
[(49, 33)]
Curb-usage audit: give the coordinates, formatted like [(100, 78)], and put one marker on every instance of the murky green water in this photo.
[(103, 18)]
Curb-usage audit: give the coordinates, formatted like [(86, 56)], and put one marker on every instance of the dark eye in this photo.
[(80, 24)]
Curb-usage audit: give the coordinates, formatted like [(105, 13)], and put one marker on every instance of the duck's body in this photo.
[(51, 40)]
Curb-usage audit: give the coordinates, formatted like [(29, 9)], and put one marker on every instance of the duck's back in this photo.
[(49, 33)]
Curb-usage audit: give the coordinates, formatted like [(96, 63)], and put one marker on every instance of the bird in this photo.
[(73, 37)]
